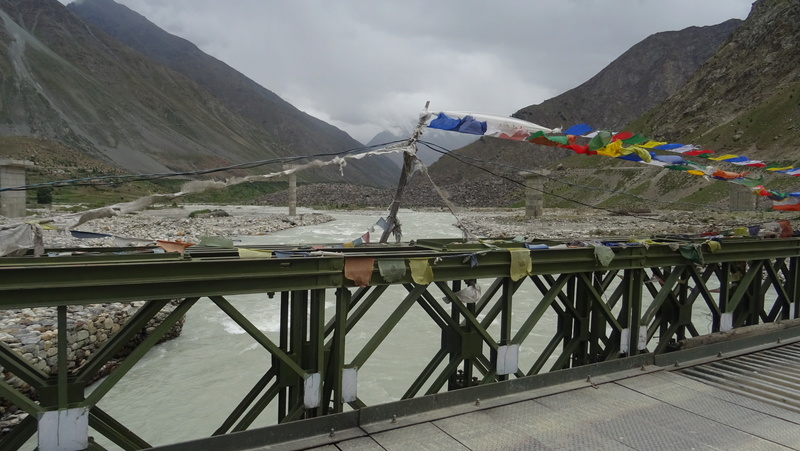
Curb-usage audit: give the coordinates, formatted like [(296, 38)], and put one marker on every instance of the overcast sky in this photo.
[(365, 66)]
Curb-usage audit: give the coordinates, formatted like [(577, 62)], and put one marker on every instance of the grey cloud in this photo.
[(364, 66)]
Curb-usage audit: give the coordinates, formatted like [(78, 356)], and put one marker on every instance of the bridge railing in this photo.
[(463, 314)]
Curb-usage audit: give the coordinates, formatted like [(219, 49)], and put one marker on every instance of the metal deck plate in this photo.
[(424, 436), (684, 383), (709, 407), (526, 425), (359, 444)]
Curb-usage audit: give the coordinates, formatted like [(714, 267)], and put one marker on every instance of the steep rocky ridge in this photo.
[(746, 98), (632, 84), (641, 78), (67, 82), (295, 130), (64, 82)]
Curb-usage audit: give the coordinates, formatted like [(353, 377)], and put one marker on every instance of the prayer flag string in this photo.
[(625, 145)]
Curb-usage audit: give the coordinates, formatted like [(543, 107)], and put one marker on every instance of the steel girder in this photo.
[(642, 302)]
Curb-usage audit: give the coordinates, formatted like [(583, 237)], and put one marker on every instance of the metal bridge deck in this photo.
[(751, 401), (748, 402)]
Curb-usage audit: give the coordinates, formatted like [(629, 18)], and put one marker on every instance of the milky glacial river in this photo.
[(185, 388)]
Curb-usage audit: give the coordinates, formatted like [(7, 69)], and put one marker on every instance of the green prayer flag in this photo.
[(536, 135), (601, 139), (633, 140), (559, 139), (692, 252)]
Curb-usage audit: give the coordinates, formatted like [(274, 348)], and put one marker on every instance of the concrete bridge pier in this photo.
[(534, 192), (12, 173), (741, 198), (292, 190)]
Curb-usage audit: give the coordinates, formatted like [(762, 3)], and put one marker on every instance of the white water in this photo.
[(185, 388)]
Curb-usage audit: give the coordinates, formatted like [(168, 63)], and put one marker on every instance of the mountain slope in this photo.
[(746, 98), (65, 81), (638, 80), (296, 130), (635, 82)]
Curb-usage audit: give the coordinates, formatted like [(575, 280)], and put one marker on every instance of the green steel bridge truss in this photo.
[(644, 301)]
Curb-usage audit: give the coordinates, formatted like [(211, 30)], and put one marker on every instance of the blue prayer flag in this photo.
[(445, 122), (578, 129)]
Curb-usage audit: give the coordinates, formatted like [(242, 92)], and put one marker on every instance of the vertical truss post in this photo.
[(625, 318), (755, 299), (683, 310), (506, 297), (634, 284), (62, 357), (283, 344), (297, 339), (793, 286), (583, 334), (456, 345), (745, 300), (598, 322), (726, 318), (316, 340), (570, 327), (452, 341), (336, 361)]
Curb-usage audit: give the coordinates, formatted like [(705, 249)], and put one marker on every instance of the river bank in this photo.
[(188, 223), (192, 222), (33, 333)]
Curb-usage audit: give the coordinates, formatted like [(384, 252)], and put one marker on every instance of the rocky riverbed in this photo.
[(189, 223), (33, 333), (581, 223)]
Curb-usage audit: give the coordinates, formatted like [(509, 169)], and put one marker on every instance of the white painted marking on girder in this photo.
[(624, 341), (726, 322), (312, 385), (349, 384), (507, 359), (64, 430)]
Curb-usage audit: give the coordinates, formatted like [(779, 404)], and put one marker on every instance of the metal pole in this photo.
[(408, 161), (293, 194)]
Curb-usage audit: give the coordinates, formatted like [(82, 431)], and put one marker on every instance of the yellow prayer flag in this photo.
[(611, 149), (521, 264), (651, 144), (421, 271), (254, 253), (643, 153), (714, 246), (723, 157)]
